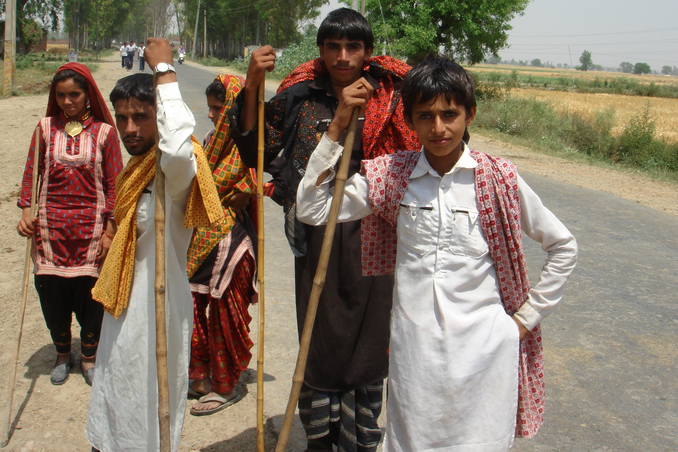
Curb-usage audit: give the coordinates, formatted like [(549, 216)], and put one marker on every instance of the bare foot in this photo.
[(203, 386), (87, 363), (63, 358)]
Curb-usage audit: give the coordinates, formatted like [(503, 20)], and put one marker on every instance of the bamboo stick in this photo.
[(318, 283), (24, 290), (160, 284), (260, 270)]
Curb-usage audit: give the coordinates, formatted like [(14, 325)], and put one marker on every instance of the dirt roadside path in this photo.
[(52, 418)]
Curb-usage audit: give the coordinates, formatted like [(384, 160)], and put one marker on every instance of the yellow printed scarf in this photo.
[(203, 209), (230, 176)]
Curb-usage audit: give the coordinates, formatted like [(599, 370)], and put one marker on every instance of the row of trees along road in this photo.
[(468, 30)]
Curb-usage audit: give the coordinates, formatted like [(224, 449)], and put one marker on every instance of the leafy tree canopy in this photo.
[(626, 67), (467, 30), (666, 70), (641, 68), (536, 62), (585, 60)]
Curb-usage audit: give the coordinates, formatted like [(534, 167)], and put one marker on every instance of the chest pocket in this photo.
[(417, 227), (467, 235)]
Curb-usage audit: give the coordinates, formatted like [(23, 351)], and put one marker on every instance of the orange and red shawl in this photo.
[(96, 100), (384, 131), (230, 176)]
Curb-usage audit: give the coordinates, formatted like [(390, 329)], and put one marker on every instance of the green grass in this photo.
[(34, 72), (539, 125)]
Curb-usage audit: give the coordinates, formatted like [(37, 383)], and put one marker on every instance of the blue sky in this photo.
[(612, 30)]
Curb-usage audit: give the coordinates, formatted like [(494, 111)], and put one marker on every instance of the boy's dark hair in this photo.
[(216, 89), (70, 73), (137, 85), (345, 22), (435, 76)]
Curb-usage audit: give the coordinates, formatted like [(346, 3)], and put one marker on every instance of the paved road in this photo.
[(611, 346)]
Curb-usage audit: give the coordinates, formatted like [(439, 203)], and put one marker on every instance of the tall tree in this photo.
[(468, 30), (642, 68), (626, 67), (27, 11), (585, 60)]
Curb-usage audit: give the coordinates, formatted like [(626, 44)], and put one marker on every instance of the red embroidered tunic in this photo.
[(75, 197)]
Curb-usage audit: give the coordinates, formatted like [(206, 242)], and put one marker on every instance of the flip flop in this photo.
[(216, 398)]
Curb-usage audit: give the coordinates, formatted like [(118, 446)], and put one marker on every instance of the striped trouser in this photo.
[(347, 419)]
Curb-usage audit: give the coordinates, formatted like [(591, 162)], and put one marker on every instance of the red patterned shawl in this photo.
[(496, 183), (384, 131)]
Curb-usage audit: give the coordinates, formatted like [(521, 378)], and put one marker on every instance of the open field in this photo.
[(557, 73), (664, 111)]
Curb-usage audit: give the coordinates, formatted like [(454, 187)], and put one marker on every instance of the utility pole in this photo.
[(195, 33), (204, 39), (10, 47)]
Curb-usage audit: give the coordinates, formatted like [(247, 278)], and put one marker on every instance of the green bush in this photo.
[(538, 122)]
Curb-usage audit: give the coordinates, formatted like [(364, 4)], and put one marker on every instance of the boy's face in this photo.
[(136, 124), (440, 126), (344, 59)]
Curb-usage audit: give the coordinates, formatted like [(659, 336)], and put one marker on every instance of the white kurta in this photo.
[(123, 411), (453, 376)]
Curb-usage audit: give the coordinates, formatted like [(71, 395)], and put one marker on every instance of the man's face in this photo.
[(135, 121), (344, 59)]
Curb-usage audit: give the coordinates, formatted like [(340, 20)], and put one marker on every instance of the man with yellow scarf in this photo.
[(123, 412)]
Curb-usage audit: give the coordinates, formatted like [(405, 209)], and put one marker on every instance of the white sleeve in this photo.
[(175, 126), (313, 202), (541, 225)]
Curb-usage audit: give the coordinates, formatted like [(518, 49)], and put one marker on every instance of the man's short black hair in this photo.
[(137, 85), (436, 76), (345, 22)]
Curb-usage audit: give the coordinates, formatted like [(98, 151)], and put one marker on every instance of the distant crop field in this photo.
[(664, 111), (569, 73)]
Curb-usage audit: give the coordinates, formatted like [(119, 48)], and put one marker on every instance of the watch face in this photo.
[(162, 67)]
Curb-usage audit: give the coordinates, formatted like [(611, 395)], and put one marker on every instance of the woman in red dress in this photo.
[(79, 160)]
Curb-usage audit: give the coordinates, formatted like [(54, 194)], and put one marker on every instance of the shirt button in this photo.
[(441, 247)]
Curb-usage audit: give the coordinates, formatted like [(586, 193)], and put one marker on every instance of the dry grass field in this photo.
[(569, 73), (663, 111)]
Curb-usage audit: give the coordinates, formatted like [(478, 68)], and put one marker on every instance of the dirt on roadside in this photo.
[(52, 418)]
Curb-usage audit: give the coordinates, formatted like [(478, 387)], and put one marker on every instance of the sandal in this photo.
[(216, 398)]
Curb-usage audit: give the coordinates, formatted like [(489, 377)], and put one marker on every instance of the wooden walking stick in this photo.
[(24, 291), (160, 325), (318, 283), (260, 270)]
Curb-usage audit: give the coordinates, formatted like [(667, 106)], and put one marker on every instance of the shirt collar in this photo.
[(424, 167)]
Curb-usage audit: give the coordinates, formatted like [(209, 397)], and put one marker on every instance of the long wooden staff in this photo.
[(318, 283), (260, 269), (160, 325), (24, 291)]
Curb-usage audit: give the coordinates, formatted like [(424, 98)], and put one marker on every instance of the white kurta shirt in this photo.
[(123, 411), (453, 377)]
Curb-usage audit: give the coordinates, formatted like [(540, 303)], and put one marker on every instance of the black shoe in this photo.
[(60, 373)]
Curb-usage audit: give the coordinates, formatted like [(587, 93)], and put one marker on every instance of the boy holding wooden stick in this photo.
[(466, 364)]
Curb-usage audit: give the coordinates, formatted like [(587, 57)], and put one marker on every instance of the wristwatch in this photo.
[(163, 67)]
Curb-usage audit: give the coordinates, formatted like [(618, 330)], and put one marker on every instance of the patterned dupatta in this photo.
[(496, 184), (384, 131), (230, 176)]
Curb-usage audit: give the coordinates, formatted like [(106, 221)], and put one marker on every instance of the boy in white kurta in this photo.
[(123, 411), (465, 352)]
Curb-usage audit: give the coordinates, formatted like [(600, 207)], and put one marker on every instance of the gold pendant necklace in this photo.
[(73, 128)]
